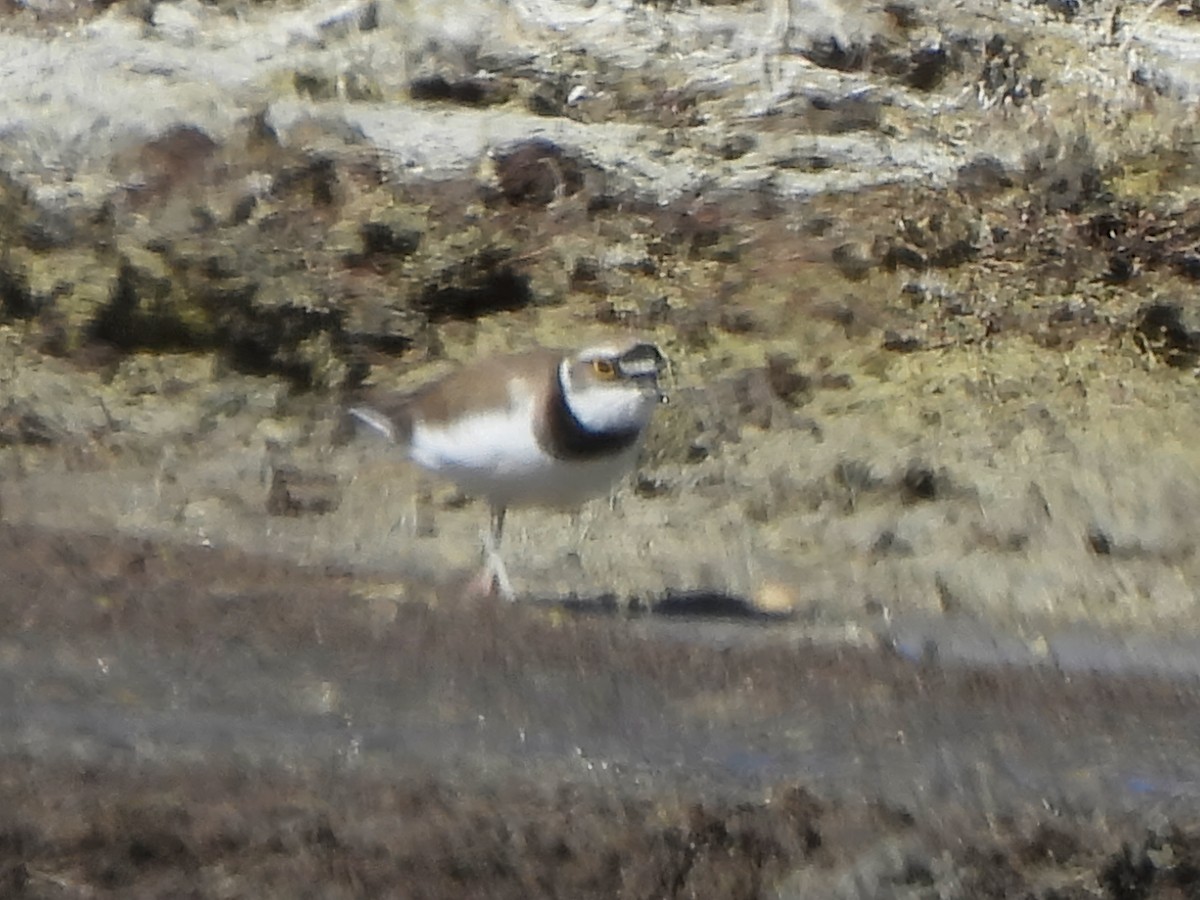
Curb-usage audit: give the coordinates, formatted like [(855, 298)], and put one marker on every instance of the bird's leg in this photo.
[(495, 572)]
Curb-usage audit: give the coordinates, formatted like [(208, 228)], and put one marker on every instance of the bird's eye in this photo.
[(604, 368)]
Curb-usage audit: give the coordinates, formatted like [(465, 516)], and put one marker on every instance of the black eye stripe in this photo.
[(644, 361)]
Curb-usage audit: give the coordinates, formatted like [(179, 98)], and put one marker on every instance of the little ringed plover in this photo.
[(540, 428)]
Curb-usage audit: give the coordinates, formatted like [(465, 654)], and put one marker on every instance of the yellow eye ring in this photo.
[(604, 368)]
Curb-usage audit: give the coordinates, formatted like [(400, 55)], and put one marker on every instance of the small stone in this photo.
[(1099, 541), (775, 598)]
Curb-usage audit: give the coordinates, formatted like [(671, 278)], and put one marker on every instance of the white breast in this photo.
[(496, 455)]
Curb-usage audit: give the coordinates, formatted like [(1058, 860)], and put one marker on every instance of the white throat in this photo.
[(603, 407)]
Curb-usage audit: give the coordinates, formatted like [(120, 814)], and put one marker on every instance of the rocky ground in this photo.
[(926, 275), (192, 720)]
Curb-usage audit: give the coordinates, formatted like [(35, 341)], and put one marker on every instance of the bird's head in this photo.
[(613, 386)]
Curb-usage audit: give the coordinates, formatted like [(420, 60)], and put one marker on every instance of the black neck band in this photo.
[(568, 438)]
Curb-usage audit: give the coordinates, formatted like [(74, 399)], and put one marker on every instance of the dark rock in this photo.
[(382, 237), (1121, 268), (807, 162), (49, 231), (537, 172), (1067, 313), (1064, 174), (737, 320), (1003, 76), (930, 66), (148, 311), (586, 271), (1066, 9), (766, 397), (901, 255), (549, 97), (852, 261), (787, 384), (315, 84), (902, 343), (736, 146), (707, 233), (835, 381), (829, 53), (1105, 226), (272, 332), (297, 493), (24, 427), (903, 15), (1188, 265), (1128, 876), (920, 482), (1099, 541), (833, 114), (16, 299), (181, 156), (313, 181), (1162, 330), (983, 174), (473, 287), (954, 254), (1051, 844), (889, 544), (648, 487), (466, 91)]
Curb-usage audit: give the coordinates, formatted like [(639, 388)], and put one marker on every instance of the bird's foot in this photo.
[(493, 581), (488, 584)]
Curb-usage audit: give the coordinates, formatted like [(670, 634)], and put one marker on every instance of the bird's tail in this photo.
[(375, 420)]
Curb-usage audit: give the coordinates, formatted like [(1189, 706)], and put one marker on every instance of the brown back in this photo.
[(479, 386)]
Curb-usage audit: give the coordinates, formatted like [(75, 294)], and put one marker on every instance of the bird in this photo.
[(543, 427)]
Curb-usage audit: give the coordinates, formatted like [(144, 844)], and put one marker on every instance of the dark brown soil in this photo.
[(189, 722)]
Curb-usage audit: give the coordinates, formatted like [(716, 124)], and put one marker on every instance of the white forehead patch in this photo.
[(604, 351), (638, 368), (636, 360)]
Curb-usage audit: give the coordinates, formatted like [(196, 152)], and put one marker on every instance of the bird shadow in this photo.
[(671, 604)]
